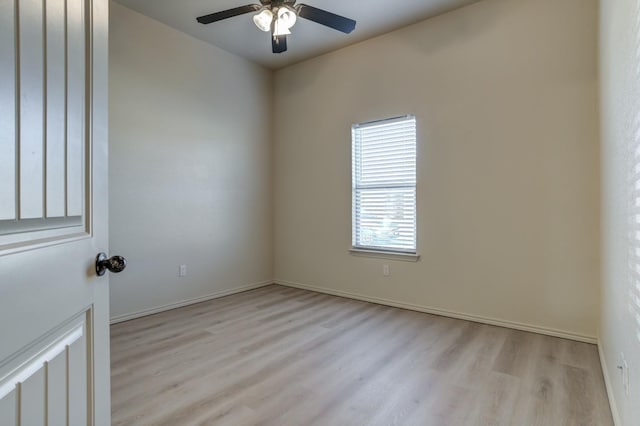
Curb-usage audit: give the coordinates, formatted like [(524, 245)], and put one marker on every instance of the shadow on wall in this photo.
[(633, 172), (452, 28), (441, 32)]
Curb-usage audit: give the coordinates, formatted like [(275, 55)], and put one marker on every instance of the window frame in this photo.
[(357, 248)]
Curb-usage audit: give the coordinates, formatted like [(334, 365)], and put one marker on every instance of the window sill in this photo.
[(405, 257)]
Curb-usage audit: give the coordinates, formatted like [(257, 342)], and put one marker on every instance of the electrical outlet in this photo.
[(386, 271), (182, 271)]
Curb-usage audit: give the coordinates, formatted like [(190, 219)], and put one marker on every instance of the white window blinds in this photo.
[(384, 185)]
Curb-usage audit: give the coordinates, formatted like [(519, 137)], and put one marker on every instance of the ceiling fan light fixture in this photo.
[(285, 20), (263, 20)]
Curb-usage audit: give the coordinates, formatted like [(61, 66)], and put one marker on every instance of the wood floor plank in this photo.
[(283, 356), (495, 405)]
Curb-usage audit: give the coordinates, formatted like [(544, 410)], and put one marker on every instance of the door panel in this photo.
[(8, 406), (54, 356), (7, 111), (32, 396), (31, 108), (57, 390), (75, 104), (78, 387), (49, 57), (56, 109), (48, 380)]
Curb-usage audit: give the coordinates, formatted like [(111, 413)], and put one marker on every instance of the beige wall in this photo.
[(620, 94), (505, 95), (190, 166)]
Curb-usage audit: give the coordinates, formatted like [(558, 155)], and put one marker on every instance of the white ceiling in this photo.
[(240, 36)]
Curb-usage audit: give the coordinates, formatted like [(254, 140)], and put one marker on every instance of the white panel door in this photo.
[(54, 333)]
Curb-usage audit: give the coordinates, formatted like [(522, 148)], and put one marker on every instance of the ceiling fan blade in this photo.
[(328, 19), (279, 43), (219, 16)]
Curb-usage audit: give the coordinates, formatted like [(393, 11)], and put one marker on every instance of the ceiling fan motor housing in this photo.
[(277, 3)]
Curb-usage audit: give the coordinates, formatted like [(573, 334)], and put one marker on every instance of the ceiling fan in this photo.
[(278, 16)]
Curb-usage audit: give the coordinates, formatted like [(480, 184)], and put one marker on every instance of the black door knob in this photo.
[(114, 264)]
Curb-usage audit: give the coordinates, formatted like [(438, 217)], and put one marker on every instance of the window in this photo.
[(384, 185)]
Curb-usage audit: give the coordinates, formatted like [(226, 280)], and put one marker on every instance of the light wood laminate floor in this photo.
[(283, 356)]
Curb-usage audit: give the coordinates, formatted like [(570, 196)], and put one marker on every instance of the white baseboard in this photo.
[(609, 386), (216, 295), (445, 313)]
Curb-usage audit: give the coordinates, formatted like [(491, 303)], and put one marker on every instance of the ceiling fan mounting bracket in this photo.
[(276, 3)]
